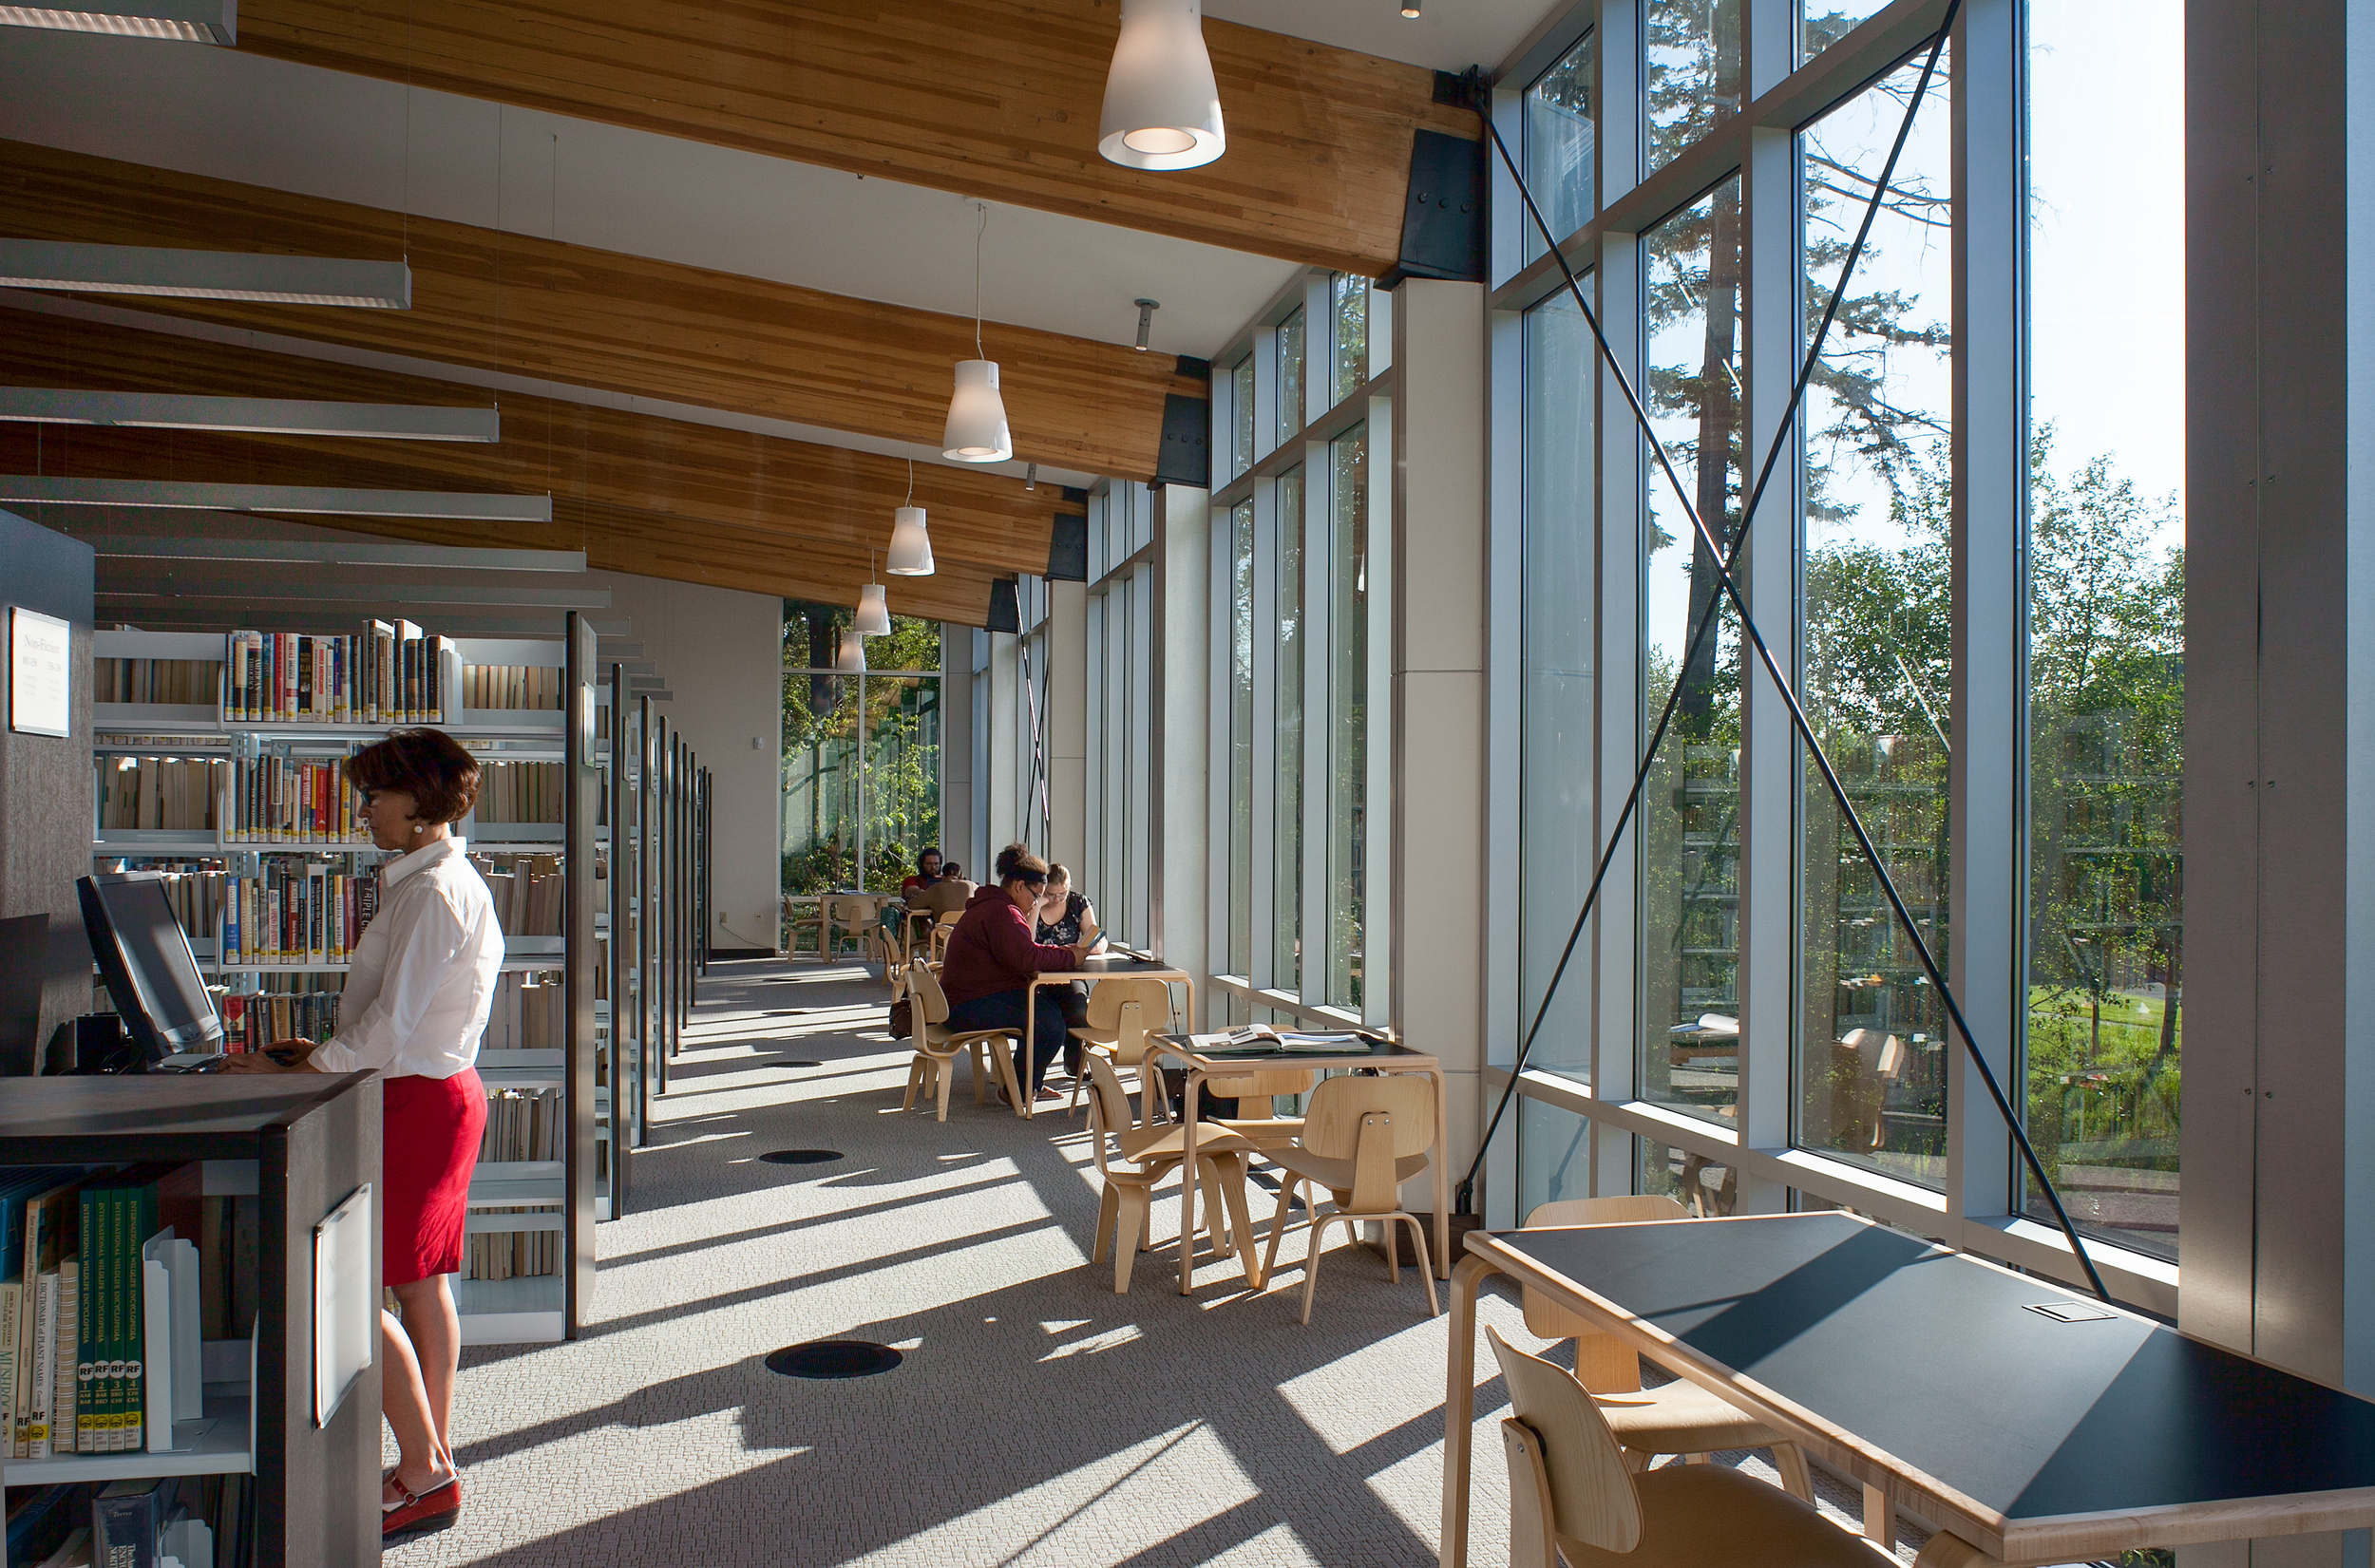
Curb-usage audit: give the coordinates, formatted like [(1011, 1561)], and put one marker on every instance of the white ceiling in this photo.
[(233, 116), (1452, 35)]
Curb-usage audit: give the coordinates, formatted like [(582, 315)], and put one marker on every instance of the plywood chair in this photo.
[(1140, 1157), (1362, 1138), (1679, 1418), (803, 917), (943, 927), (1256, 1091), (848, 920), (937, 1046), (1574, 1498), (1122, 1013)]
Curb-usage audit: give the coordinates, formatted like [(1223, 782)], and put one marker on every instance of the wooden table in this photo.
[(1379, 1057), (1103, 966), (1923, 1372)]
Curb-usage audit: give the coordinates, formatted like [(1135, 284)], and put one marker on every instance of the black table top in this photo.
[(1118, 963), (1931, 1357)]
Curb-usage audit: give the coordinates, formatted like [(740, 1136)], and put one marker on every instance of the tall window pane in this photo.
[(1348, 316), (1880, 663), (1558, 695), (1287, 831), (1240, 739), (1561, 137), (1239, 418), (862, 753), (1348, 715), (1688, 943), (1290, 375), (1691, 62), (2106, 571)]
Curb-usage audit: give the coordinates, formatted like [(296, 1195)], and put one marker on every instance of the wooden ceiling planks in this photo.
[(992, 98), (506, 302), (801, 497)]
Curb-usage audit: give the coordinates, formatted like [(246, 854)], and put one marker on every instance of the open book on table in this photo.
[(1262, 1040)]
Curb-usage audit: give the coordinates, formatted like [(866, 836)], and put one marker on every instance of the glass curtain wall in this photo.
[(1240, 739), (1286, 842), (862, 752), (1348, 720), (1867, 514), (1115, 873), (1561, 142)]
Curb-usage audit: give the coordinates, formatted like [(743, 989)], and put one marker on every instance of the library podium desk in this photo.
[(298, 1145), (1930, 1375)]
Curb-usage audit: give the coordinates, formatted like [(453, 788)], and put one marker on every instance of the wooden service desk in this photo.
[(1924, 1372), (1380, 1057), (1100, 966)]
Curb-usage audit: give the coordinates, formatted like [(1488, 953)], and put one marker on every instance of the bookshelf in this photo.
[(289, 1151), (552, 1167)]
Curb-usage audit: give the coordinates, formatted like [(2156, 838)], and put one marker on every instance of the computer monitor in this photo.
[(144, 957)]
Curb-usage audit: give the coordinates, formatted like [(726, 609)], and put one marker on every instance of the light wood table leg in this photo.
[(1027, 1096), (1187, 1189), (1880, 1518), (1459, 1407), (1442, 1175)]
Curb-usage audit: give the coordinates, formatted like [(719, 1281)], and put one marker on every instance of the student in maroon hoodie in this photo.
[(992, 958)]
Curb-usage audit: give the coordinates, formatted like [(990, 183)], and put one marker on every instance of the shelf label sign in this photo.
[(40, 658)]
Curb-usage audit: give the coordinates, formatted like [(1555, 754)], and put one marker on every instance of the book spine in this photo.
[(15, 1383), (87, 1355), (65, 1393), (48, 1437)]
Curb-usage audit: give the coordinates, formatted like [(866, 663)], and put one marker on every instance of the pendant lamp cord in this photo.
[(979, 235), (911, 475)]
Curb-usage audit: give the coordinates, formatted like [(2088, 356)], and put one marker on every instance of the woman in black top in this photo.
[(1061, 916)]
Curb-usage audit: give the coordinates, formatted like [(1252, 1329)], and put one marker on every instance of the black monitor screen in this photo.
[(145, 958)]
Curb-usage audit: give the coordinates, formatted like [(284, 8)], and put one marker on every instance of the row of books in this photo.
[(528, 1012), (88, 1260), (519, 793), (159, 792), (257, 1019), (527, 891), (158, 1522), (511, 686), (512, 1254), (312, 912), (278, 798), (184, 681), (192, 888), (382, 674)]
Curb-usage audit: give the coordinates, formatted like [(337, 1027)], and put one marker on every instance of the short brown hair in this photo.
[(1016, 863), (428, 764)]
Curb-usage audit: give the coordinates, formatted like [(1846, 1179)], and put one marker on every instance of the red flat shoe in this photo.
[(438, 1508)]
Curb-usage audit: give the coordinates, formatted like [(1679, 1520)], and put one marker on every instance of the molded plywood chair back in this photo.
[(1123, 1012), (1132, 1158), (1362, 1138), (1575, 1500), (933, 1064)]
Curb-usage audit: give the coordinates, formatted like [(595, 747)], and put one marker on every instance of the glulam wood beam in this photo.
[(796, 497), (989, 98), (495, 301)]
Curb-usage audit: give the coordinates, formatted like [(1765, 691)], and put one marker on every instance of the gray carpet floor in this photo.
[(1036, 1418)]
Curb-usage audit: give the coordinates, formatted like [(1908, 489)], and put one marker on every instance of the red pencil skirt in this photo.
[(433, 1127)]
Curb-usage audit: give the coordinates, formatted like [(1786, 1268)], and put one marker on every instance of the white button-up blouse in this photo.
[(424, 971)]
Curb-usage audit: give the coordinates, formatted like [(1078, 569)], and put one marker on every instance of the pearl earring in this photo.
[(416, 827)]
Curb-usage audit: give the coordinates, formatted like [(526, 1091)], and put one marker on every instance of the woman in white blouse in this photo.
[(414, 1009)]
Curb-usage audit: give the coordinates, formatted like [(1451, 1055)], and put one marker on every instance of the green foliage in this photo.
[(824, 732)]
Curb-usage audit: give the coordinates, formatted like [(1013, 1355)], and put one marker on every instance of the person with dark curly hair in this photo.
[(991, 957), (415, 1009)]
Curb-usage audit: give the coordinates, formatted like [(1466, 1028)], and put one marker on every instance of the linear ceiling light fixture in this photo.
[(205, 274), (976, 415), (873, 608), (248, 415), (183, 20), (1162, 107), (331, 552), (174, 495), (911, 542)]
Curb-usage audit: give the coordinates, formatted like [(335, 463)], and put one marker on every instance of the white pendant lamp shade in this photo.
[(1162, 107), (873, 611), (977, 415), (851, 658), (910, 545)]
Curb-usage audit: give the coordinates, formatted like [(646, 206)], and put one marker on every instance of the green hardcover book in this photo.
[(91, 1331), (140, 1225)]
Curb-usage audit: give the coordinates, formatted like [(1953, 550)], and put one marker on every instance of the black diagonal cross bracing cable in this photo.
[(1725, 558)]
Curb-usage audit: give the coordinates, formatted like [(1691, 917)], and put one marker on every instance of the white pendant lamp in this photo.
[(873, 610), (977, 415), (1162, 107), (851, 658), (910, 543)]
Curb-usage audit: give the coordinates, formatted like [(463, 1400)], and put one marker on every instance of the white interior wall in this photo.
[(721, 651)]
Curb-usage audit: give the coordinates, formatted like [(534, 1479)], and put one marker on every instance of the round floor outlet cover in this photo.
[(833, 1358), (800, 1157)]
